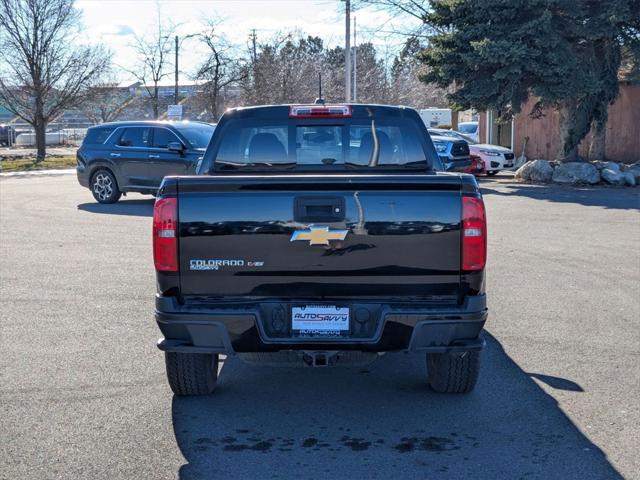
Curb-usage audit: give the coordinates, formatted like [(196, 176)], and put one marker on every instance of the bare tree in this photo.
[(286, 71), (219, 70), (400, 11), (414, 8), (154, 56), (372, 81), (406, 87), (105, 102), (42, 71)]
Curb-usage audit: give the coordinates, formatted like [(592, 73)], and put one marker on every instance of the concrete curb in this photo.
[(38, 173)]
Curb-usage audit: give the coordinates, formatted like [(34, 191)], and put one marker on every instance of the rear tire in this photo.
[(192, 373), (104, 187), (453, 372)]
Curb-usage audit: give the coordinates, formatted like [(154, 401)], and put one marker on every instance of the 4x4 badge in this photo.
[(319, 235)]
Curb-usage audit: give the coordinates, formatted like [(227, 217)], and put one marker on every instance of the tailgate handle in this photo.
[(318, 209)]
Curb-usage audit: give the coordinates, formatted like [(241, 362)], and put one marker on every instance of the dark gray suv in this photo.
[(120, 157)]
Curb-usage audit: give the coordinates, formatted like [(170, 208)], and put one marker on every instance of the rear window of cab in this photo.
[(336, 143)]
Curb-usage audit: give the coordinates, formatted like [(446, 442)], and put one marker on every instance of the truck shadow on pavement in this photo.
[(382, 422), (138, 208), (614, 198)]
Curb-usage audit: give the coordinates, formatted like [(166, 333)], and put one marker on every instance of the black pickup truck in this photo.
[(320, 234)]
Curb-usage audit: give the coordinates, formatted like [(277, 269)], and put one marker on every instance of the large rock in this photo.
[(536, 171), (612, 177), (599, 164), (629, 179), (576, 173), (635, 171), (612, 166)]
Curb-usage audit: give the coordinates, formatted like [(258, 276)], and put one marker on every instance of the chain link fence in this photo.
[(24, 135)]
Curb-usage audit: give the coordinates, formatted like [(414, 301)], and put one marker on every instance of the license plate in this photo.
[(508, 165), (320, 318)]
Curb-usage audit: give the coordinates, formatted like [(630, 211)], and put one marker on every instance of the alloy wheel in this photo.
[(103, 186)]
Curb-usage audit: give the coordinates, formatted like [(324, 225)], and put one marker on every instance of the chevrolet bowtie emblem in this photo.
[(319, 235)]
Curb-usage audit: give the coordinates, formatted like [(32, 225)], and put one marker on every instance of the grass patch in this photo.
[(29, 164)]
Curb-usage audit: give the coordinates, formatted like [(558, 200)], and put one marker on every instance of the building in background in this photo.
[(166, 89)]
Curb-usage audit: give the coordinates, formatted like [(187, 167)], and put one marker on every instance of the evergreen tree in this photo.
[(498, 53), (608, 30)]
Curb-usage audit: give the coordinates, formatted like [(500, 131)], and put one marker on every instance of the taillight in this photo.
[(474, 234), (165, 227), (319, 111)]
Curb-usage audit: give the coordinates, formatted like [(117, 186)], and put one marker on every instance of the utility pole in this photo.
[(175, 91), (347, 52), (253, 37), (355, 62)]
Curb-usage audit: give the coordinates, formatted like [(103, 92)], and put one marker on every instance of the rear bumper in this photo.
[(235, 328), (83, 175)]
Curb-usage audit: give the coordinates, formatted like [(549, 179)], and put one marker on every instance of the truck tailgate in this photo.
[(317, 236)]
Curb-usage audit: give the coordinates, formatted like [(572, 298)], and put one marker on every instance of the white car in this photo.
[(470, 129), (494, 157)]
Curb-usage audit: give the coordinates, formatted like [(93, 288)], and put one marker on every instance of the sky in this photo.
[(114, 23)]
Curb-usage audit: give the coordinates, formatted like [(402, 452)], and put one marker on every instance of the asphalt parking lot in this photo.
[(84, 395)]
